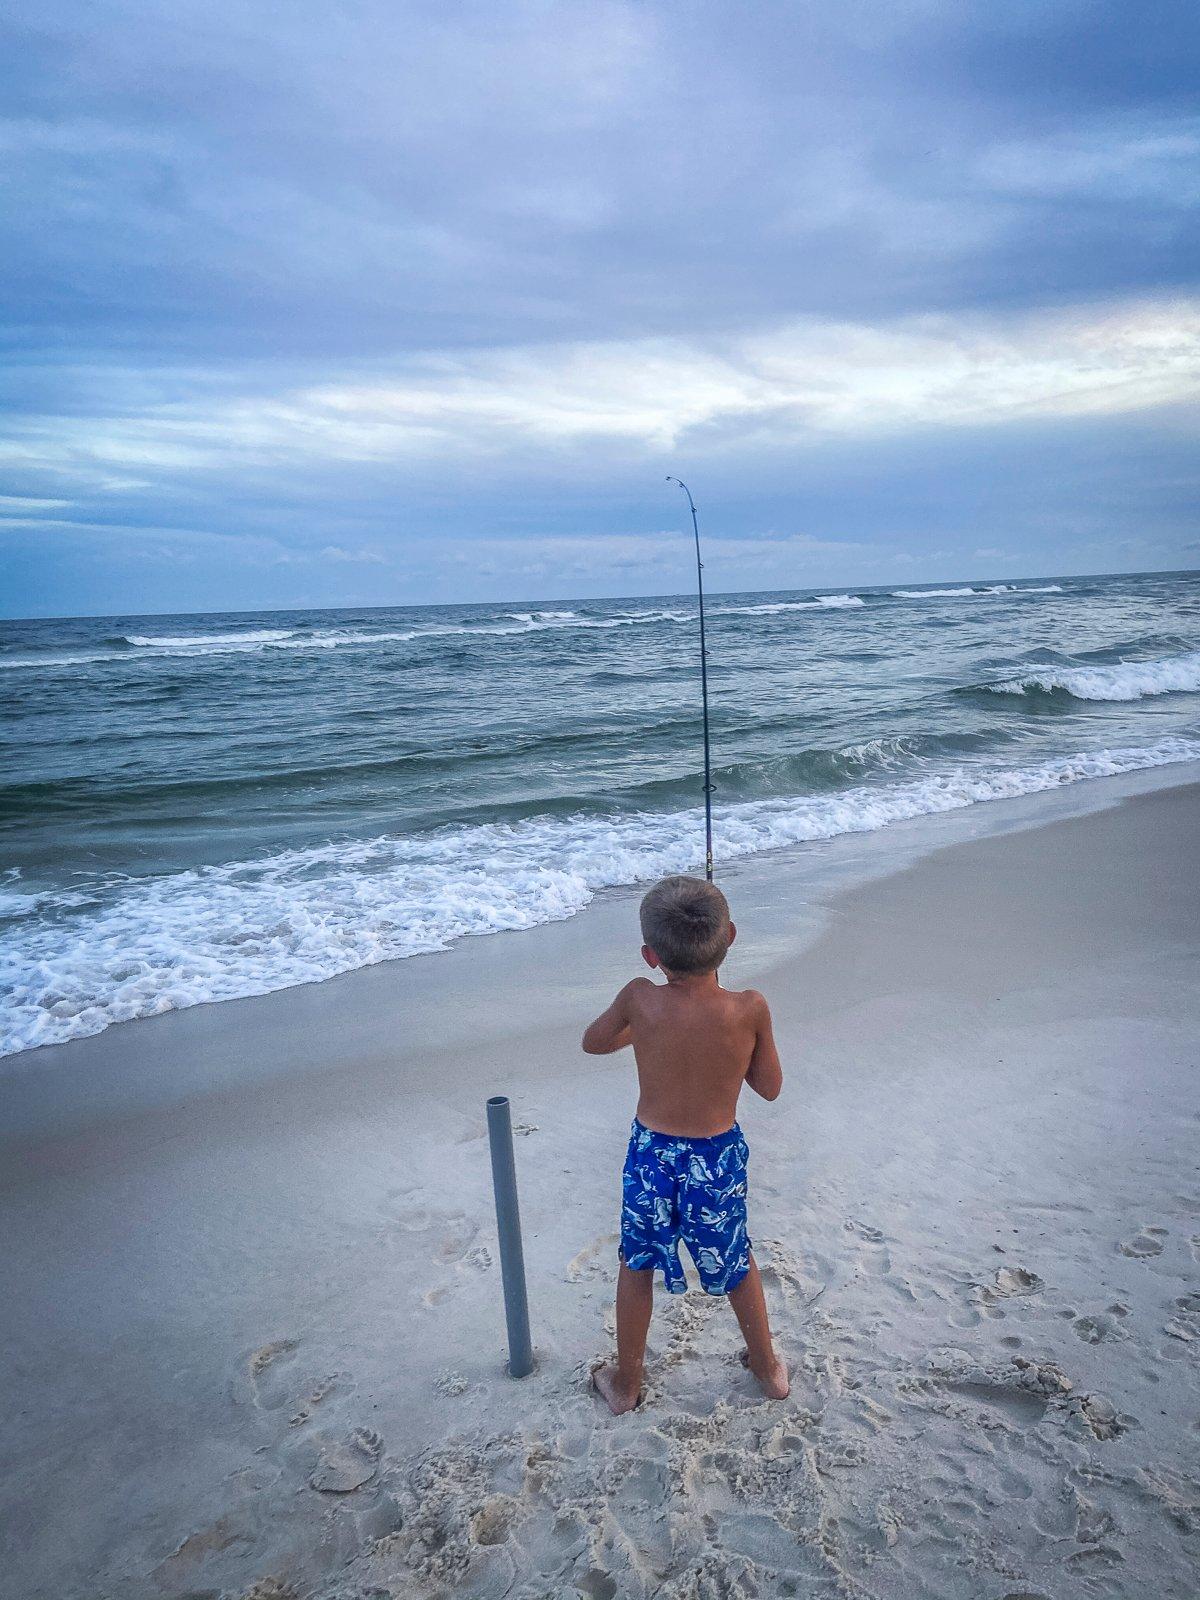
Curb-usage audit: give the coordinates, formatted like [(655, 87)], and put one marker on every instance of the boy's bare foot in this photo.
[(775, 1383), (617, 1396)]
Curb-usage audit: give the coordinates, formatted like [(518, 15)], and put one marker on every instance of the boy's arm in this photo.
[(610, 1031), (764, 1074)]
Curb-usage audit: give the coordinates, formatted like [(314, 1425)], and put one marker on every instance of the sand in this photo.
[(251, 1321)]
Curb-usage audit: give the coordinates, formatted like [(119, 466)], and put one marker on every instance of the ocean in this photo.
[(200, 807)]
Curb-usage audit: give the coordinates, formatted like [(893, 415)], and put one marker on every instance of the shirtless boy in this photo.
[(685, 1172)]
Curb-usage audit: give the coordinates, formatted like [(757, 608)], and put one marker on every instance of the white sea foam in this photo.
[(928, 594), (993, 588), (1126, 680), (249, 927), (184, 646), (16, 902), (831, 602), (178, 641)]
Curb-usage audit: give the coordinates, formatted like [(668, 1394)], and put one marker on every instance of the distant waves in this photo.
[(133, 647), (991, 588)]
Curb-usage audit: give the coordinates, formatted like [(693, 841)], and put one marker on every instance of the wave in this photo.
[(928, 594), (1126, 680), (833, 602), (250, 927), (135, 647), (188, 640), (158, 647), (993, 588)]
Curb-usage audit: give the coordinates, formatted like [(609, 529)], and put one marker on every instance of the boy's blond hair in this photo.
[(685, 921)]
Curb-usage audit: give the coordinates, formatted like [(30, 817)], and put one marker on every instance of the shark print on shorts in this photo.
[(689, 1189)]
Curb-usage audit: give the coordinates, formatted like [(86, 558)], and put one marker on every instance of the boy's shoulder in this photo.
[(638, 989), (752, 1001)]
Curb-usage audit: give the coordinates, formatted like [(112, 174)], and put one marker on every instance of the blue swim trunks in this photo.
[(689, 1189)]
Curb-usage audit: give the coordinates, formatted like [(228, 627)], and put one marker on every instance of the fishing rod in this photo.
[(708, 785)]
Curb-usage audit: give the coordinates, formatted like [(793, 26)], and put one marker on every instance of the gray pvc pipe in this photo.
[(508, 1224)]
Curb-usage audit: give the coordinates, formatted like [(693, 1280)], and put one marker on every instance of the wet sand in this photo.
[(251, 1316)]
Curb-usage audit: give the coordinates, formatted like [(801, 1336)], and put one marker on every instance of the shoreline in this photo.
[(976, 1209), (217, 1047)]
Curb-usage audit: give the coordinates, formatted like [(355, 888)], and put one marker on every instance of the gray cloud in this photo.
[(339, 279)]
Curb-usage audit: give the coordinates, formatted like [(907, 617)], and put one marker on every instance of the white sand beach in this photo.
[(252, 1331)]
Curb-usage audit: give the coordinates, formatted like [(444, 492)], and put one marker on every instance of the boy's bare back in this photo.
[(695, 1045)]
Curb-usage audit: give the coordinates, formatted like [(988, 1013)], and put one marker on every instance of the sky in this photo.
[(402, 303)]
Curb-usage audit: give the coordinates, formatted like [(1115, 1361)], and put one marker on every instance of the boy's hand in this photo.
[(764, 1074), (610, 1031)]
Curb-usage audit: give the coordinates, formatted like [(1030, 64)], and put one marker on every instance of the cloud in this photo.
[(790, 385), (1112, 164), (327, 285), (336, 552)]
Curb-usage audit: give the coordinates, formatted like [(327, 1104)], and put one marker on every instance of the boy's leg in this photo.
[(750, 1308), (621, 1383)]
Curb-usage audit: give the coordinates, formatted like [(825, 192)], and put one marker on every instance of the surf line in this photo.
[(708, 785)]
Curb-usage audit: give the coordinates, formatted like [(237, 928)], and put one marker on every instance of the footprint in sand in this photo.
[(451, 1383), (456, 1232), (276, 1381), (1148, 1242), (1010, 1282), (988, 1299), (864, 1230), (1176, 1493), (1097, 1414), (346, 1464), (1095, 1330), (316, 1395), (270, 1375), (493, 1522), (794, 1277), (875, 1256), (1021, 1406), (1019, 1394), (1042, 1377), (596, 1260), (1185, 1324), (222, 1538)]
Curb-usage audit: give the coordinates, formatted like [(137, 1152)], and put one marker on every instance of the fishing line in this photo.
[(708, 786)]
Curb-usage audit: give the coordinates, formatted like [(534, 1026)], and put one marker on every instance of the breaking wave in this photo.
[(992, 588), (1125, 680), (141, 947), (830, 602)]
